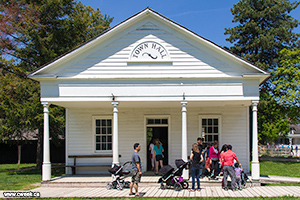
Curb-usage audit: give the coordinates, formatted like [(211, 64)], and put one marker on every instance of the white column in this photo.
[(115, 144), (185, 173), (46, 169), (255, 162)]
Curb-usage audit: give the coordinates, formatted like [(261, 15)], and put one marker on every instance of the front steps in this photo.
[(101, 181)]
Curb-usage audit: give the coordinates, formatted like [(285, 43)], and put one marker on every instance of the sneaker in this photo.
[(234, 189), (226, 189), (240, 189)]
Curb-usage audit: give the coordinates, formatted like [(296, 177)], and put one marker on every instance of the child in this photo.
[(238, 172), (207, 171)]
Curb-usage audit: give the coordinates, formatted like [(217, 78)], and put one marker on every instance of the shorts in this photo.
[(158, 157), (136, 177)]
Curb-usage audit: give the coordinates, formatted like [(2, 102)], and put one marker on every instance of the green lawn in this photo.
[(23, 176), (280, 168)]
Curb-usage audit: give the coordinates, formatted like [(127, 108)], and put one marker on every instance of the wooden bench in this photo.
[(75, 165)]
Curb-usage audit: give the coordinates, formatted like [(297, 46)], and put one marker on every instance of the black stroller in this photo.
[(244, 179), (119, 173), (173, 178)]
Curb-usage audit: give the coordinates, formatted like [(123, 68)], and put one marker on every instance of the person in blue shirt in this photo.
[(136, 170), (158, 153)]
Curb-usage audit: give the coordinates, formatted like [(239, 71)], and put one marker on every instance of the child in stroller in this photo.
[(119, 173), (173, 178)]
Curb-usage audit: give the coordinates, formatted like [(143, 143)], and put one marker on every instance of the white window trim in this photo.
[(219, 117), (157, 117), (158, 125), (94, 118)]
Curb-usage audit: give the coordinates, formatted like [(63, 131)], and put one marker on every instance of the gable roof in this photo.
[(147, 12)]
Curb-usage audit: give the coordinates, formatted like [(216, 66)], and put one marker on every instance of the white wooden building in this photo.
[(149, 74)]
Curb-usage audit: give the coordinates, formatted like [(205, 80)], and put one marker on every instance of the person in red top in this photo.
[(214, 156), (228, 161), (223, 150)]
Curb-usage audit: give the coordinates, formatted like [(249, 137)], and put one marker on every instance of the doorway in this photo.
[(162, 134)]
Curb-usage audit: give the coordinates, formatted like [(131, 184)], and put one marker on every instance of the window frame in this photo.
[(219, 117), (94, 118)]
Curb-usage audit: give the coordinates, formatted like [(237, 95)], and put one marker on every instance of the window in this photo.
[(157, 121), (103, 134), (210, 128)]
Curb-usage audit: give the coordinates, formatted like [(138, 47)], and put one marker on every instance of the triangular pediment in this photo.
[(148, 46)]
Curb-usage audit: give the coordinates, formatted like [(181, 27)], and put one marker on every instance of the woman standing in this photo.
[(214, 158), (158, 153), (197, 159), (223, 150)]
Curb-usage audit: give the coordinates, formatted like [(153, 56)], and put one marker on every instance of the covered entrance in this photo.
[(157, 129)]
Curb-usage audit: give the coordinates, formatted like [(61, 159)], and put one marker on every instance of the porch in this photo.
[(62, 187), (231, 125)]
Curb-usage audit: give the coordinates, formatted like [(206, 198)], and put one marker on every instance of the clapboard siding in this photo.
[(110, 61), (132, 129)]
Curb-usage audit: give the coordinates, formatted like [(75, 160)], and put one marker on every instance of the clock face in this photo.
[(149, 51)]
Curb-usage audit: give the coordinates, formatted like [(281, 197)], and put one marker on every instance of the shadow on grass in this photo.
[(25, 179)]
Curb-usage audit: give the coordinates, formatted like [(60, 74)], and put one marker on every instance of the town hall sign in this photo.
[(149, 51)]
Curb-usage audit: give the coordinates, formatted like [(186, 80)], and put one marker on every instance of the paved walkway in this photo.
[(150, 188)]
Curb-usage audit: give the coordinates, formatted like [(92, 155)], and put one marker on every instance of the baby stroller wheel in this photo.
[(119, 186), (114, 184), (109, 186), (185, 185), (126, 184), (162, 186), (177, 187)]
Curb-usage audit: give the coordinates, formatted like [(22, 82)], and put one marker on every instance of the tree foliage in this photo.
[(265, 37), (265, 28), (287, 78), (33, 33)]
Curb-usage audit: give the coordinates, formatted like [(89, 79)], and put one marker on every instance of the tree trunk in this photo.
[(19, 154), (39, 149)]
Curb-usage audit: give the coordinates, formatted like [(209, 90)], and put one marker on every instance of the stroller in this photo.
[(244, 179), (119, 173), (173, 178)]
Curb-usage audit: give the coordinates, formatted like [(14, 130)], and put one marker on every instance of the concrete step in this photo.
[(102, 182), (90, 184)]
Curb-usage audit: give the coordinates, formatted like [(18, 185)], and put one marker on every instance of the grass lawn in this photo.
[(291, 169), (22, 177)]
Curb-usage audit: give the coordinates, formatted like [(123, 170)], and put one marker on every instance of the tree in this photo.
[(34, 32), (265, 29), (287, 80)]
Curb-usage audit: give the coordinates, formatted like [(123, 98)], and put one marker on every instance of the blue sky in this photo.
[(206, 18)]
